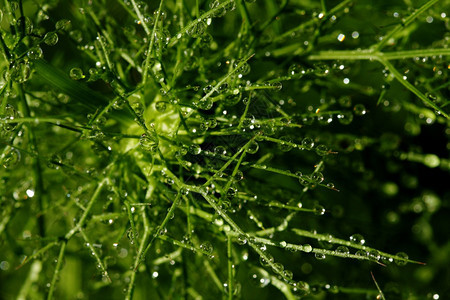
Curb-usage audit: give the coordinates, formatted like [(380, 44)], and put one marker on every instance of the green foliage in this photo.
[(224, 149)]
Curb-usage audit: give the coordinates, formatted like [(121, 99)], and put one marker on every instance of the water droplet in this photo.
[(197, 28), (249, 124), (11, 158), (242, 239), (322, 150), (317, 177), (345, 118), (35, 53), (138, 108), (283, 244), (212, 123), (54, 162), (301, 288), (76, 74), (148, 143), (162, 231), (94, 74), (169, 180), (362, 253), (268, 259), (203, 126), (307, 248), (252, 148), (118, 104), (195, 149), (236, 288), (51, 38), (342, 250), (325, 119), (308, 143), (205, 104), (291, 248), (330, 185), (374, 255), (432, 97), (231, 193), (319, 210), (277, 85), (401, 259), (220, 150), (357, 239), (62, 24), (288, 274), (286, 144), (184, 191), (233, 98), (26, 24), (278, 267), (304, 180), (321, 69), (181, 152), (386, 260), (8, 115), (207, 247), (131, 235), (239, 175), (161, 106), (219, 12), (230, 6), (20, 72), (359, 110), (244, 69), (296, 70), (320, 256), (207, 89)]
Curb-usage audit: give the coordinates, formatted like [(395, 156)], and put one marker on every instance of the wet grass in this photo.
[(224, 149)]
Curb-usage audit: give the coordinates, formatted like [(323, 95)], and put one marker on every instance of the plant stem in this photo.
[(313, 20), (412, 88), (384, 58), (230, 268), (139, 255), (369, 54), (83, 218), (141, 17), (158, 228), (151, 44), (401, 26), (57, 270), (191, 24)]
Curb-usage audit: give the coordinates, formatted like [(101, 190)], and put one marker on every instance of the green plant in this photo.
[(207, 149)]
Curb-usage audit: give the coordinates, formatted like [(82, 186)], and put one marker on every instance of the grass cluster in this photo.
[(207, 149)]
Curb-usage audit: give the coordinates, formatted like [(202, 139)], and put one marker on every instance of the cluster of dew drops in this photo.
[(21, 72)]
